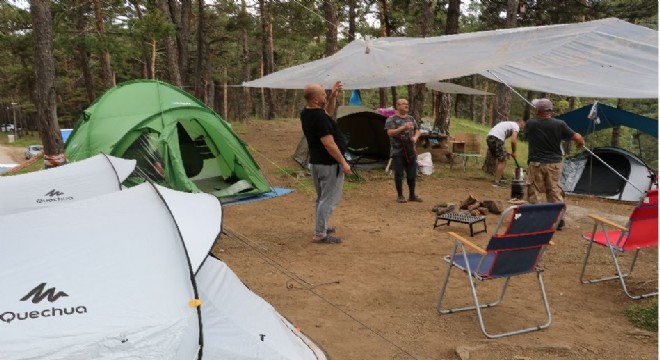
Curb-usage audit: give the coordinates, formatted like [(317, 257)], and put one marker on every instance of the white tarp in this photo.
[(239, 325), (603, 58), (91, 177), (114, 282), (450, 88)]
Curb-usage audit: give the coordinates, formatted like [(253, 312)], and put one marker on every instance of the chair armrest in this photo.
[(599, 219), (468, 243)]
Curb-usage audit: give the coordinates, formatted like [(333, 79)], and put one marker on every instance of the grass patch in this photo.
[(643, 315), (35, 166), (22, 141)]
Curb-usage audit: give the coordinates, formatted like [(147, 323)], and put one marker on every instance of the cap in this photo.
[(542, 105)]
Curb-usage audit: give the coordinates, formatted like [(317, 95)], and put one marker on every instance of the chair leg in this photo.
[(614, 254), (525, 330), (619, 275), (473, 287)]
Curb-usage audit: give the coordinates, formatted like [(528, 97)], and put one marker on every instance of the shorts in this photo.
[(496, 147)]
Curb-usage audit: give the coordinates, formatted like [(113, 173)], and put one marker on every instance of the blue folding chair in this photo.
[(515, 248)]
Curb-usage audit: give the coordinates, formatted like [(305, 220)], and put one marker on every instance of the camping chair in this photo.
[(640, 233), (353, 157), (514, 249)]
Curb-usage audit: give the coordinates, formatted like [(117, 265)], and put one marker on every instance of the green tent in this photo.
[(176, 139)]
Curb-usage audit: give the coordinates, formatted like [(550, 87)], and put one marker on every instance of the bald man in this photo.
[(327, 147)]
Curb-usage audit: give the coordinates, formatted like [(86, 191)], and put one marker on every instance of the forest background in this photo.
[(57, 57)]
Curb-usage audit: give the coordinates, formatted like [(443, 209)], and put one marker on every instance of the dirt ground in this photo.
[(11, 154), (374, 295)]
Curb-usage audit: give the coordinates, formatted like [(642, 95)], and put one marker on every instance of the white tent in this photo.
[(114, 283), (117, 282), (240, 325), (91, 177), (602, 58)]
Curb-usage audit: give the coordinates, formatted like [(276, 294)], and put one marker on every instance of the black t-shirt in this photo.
[(544, 137), (316, 124)]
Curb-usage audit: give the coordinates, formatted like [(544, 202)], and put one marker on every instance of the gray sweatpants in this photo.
[(328, 182)]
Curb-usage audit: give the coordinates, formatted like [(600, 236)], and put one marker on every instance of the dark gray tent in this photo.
[(364, 128), (584, 174)]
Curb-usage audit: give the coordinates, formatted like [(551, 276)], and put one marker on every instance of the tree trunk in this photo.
[(330, 15), (199, 65), (382, 97), (106, 69), (171, 52), (503, 93), (484, 101), (443, 116), (182, 35), (351, 19), (527, 113), (616, 131), (384, 32), (247, 97), (45, 99), (83, 57), (225, 97), (418, 90), (267, 59), (473, 110), (151, 64)]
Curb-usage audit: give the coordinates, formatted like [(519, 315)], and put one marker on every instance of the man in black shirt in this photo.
[(327, 147), (544, 134)]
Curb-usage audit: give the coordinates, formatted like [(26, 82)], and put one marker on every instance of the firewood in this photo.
[(494, 206), (483, 210), (474, 206), (469, 201)]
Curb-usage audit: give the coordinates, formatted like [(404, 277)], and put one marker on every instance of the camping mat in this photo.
[(275, 192)]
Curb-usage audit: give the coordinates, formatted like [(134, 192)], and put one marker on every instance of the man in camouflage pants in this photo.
[(544, 164)]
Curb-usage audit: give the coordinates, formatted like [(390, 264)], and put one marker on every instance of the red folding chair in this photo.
[(640, 233)]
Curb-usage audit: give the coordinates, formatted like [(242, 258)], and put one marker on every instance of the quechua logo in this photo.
[(38, 294), (54, 193), (53, 196)]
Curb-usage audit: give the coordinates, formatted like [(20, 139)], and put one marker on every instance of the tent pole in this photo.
[(611, 168)]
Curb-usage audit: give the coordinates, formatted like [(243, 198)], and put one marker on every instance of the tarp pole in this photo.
[(611, 168)]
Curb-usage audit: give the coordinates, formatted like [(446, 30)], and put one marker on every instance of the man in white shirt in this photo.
[(495, 140)]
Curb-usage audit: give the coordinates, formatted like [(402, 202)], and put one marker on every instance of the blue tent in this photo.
[(580, 121)]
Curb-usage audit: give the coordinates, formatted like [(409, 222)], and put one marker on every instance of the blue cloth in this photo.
[(355, 99), (609, 117), (275, 192)]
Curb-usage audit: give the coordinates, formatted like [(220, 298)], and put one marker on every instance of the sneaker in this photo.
[(504, 178), (401, 199), (499, 185), (415, 198), (330, 240), (561, 224)]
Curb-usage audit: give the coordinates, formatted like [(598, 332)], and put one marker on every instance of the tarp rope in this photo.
[(614, 171), (305, 284)]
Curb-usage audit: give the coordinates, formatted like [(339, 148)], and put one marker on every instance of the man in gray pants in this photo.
[(327, 147)]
